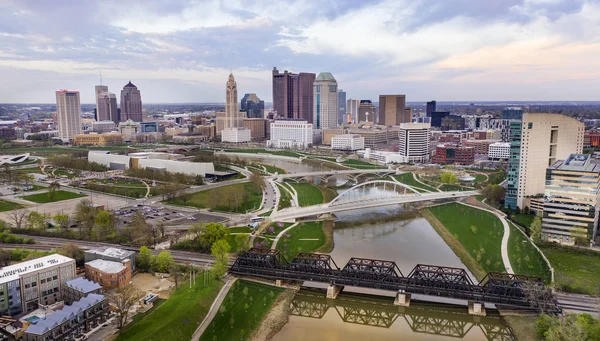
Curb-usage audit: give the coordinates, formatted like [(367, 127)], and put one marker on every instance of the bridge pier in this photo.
[(476, 308), (279, 283), (402, 299), (333, 291)]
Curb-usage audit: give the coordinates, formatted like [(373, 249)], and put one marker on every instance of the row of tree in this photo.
[(75, 163), (164, 176), (582, 327)]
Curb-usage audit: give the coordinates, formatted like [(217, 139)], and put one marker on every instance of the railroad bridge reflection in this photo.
[(421, 317)]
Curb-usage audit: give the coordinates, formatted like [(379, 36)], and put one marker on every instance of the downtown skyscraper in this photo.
[(131, 103), (68, 114), (98, 89), (392, 110), (293, 94), (106, 107), (325, 109)]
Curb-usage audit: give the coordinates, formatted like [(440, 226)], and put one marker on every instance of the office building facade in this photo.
[(131, 103), (367, 112), (98, 89), (293, 94), (290, 134), (252, 106), (348, 142), (106, 109), (437, 116), (68, 114), (414, 142), (352, 110), (571, 200), (430, 108), (499, 151), (451, 154), (342, 107), (325, 94), (392, 110), (513, 113), (512, 178)]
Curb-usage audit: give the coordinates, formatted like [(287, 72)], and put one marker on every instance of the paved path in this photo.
[(214, 308), (274, 246), (422, 183), (505, 237)]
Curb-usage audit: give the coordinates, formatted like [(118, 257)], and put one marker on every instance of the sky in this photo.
[(183, 51)]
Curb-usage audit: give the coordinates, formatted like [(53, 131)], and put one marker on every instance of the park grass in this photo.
[(44, 198), (479, 178), (178, 317), (407, 178), (6, 205), (285, 200), (231, 240), (222, 198), (61, 171), (29, 170), (122, 183), (358, 164), (525, 258), (575, 270), (266, 214), (483, 244), (522, 218), (308, 194), (264, 151), (242, 311), (291, 246), (240, 229), (273, 169), (452, 188)]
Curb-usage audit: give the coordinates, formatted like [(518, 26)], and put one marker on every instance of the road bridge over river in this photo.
[(498, 288), (336, 172)]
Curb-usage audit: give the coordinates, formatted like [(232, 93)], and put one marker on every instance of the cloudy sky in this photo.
[(183, 51)]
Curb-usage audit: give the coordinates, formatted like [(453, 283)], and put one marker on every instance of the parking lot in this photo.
[(151, 213)]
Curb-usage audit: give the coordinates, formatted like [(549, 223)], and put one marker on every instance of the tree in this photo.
[(103, 224), (18, 216), (535, 230), (493, 194), (257, 182), (242, 242), (5, 257), (61, 220), (85, 214), (71, 250), (161, 228), (208, 234), (539, 296), (220, 249), (143, 260), (123, 299), (198, 180), (163, 262), (140, 229), (54, 186), (36, 221), (448, 178), (579, 235)]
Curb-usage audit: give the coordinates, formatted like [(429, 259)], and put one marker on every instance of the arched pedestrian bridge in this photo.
[(369, 194)]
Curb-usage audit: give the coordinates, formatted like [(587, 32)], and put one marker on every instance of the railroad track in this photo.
[(578, 303)]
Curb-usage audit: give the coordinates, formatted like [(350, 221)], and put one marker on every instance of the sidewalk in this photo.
[(214, 308)]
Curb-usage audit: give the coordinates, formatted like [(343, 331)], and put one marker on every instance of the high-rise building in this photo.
[(252, 106), (325, 109), (571, 200), (98, 89), (106, 108), (414, 142), (512, 178), (366, 111), (545, 138), (431, 107), (234, 130), (514, 113), (392, 110), (352, 110), (342, 106), (437, 116), (293, 94), (68, 114), (131, 103)]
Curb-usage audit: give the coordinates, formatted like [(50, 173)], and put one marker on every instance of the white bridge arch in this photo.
[(390, 194)]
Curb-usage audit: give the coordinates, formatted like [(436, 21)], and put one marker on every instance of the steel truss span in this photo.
[(496, 287)]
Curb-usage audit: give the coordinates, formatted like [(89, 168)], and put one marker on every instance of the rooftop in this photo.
[(55, 319), (578, 163), (111, 252), (12, 272), (130, 85), (83, 285), (106, 266), (325, 76)]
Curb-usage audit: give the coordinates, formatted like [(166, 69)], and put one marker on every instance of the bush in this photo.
[(82, 164), (543, 324)]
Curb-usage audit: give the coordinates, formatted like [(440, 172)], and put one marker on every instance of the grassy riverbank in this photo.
[(575, 270), (306, 237), (177, 318), (242, 311)]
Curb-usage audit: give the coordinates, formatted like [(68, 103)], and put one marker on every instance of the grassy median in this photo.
[(6, 205), (308, 194), (44, 198)]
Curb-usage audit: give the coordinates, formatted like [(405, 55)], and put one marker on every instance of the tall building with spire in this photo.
[(234, 130), (68, 114), (131, 103), (98, 89), (325, 108)]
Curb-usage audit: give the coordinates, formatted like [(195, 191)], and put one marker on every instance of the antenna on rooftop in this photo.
[(100, 77)]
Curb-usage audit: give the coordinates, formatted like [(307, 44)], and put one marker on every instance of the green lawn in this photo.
[(6, 205), (43, 198), (524, 257), (451, 188), (307, 194), (479, 177), (230, 238), (63, 172), (240, 229), (132, 189), (285, 200), (309, 230), (122, 182), (178, 317), (407, 178), (264, 151), (358, 164), (574, 270), (29, 170), (242, 311), (273, 169), (484, 243), (237, 198), (522, 218)]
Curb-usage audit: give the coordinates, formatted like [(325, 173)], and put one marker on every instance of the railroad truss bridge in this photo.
[(515, 291)]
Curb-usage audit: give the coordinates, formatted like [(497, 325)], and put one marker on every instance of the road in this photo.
[(334, 172)]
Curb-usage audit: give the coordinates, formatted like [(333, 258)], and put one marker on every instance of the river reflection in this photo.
[(361, 317)]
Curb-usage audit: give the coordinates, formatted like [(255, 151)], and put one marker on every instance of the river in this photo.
[(361, 314)]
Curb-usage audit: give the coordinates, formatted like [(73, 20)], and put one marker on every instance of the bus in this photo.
[(257, 219)]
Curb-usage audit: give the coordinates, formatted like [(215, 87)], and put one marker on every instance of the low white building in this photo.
[(381, 156), (236, 135), (290, 134), (155, 161), (351, 142), (499, 150)]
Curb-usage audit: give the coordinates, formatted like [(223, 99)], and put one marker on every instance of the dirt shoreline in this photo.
[(276, 318)]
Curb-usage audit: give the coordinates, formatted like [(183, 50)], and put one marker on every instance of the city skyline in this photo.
[(522, 50)]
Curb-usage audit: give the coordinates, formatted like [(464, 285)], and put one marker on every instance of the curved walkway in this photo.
[(274, 245), (505, 237), (214, 308), (422, 183)]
